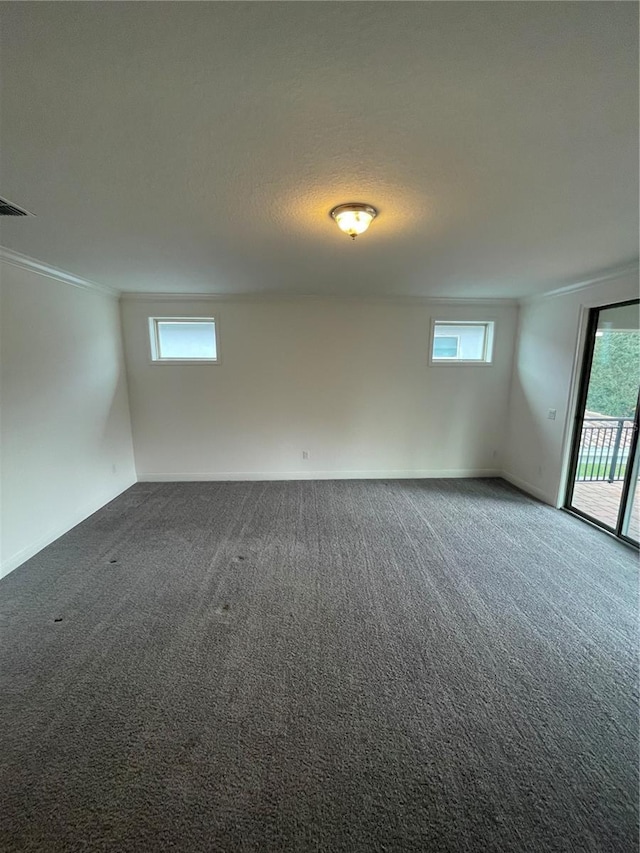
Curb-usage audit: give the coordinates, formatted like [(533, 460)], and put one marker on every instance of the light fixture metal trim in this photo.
[(349, 219)]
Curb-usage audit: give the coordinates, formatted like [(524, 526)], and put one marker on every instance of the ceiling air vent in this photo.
[(7, 208)]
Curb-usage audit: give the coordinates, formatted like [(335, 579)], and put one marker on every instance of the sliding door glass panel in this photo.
[(608, 421)]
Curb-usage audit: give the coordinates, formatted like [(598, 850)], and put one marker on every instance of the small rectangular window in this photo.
[(461, 342), (183, 339)]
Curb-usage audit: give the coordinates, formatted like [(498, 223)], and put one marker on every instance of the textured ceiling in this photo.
[(199, 146)]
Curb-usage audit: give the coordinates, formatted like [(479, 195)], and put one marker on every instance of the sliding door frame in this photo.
[(580, 407), (628, 483)]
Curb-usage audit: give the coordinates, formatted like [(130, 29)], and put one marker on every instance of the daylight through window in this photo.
[(455, 342), (183, 339)]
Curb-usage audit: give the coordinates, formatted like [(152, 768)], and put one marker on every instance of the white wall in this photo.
[(64, 420), (545, 374), (346, 380)]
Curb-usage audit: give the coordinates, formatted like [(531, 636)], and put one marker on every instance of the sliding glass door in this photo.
[(603, 476)]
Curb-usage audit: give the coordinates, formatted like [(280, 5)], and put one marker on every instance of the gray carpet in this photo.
[(321, 666)]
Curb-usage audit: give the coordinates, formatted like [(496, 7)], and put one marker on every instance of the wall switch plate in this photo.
[(305, 454), (551, 414)]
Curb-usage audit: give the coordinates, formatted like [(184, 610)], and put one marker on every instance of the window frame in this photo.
[(488, 349), (154, 340)]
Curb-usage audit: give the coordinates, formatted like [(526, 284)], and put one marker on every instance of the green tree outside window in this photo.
[(613, 384)]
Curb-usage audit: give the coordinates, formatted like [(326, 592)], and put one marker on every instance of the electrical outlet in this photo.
[(551, 414), (305, 454)]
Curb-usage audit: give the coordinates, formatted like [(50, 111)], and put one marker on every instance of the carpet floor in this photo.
[(438, 665)]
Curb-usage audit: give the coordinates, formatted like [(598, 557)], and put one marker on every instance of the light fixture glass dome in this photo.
[(354, 218)]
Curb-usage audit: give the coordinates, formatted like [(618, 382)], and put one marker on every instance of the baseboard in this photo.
[(54, 533), (524, 486), (225, 476)]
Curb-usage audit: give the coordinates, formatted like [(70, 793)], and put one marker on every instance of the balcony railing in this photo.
[(604, 449)]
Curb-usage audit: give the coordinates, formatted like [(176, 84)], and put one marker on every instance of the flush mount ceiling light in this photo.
[(353, 218)]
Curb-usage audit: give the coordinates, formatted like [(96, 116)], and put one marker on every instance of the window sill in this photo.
[(184, 361), (459, 363)]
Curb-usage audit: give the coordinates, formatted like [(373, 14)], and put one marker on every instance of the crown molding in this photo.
[(136, 296), (24, 262), (584, 284)]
